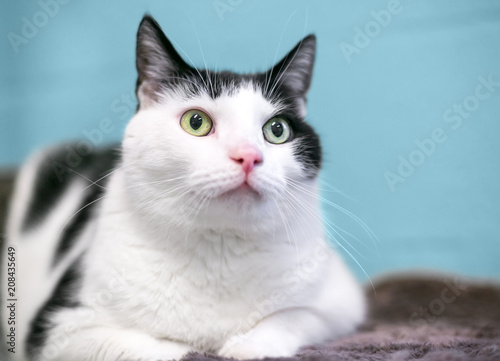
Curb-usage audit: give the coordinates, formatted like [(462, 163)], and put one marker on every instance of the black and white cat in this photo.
[(204, 235)]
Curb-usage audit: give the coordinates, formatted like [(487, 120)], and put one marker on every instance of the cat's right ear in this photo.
[(156, 59)]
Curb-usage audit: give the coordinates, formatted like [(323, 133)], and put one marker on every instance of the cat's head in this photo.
[(220, 146)]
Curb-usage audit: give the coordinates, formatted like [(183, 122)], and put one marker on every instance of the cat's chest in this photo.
[(201, 294)]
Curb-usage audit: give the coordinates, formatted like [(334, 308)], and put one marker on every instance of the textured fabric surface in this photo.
[(428, 318)]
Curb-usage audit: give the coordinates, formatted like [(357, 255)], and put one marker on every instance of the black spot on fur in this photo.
[(64, 296), (99, 164), (58, 170), (308, 148), (77, 223), (49, 186)]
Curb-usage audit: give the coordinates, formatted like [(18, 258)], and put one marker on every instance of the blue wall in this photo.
[(410, 133)]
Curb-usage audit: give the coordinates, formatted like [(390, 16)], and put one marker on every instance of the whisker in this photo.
[(277, 49), (329, 230), (78, 211), (290, 62), (346, 250), (157, 182), (162, 194), (325, 222), (202, 54), (191, 61), (109, 174), (332, 225), (86, 178), (365, 227), (285, 223)]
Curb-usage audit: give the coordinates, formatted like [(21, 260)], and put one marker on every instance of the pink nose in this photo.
[(246, 155)]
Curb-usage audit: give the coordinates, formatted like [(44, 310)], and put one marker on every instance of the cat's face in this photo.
[(221, 147)]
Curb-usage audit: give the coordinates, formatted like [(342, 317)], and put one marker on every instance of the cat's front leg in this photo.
[(279, 335), (109, 344)]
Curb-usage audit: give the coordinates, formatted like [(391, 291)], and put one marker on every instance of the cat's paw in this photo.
[(244, 348)]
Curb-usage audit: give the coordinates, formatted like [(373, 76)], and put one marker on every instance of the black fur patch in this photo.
[(58, 170), (308, 147), (77, 223), (64, 296)]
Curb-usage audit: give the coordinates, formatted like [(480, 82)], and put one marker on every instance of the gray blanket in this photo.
[(418, 318)]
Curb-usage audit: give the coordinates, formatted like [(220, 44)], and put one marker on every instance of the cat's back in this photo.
[(54, 200)]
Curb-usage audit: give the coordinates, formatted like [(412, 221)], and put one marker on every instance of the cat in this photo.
[(201, 232)]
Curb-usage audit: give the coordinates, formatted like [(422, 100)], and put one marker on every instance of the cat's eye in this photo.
[(196, 122), (277, 131)]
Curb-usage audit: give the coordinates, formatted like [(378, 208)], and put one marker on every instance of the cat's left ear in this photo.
[(156, 59), (294, 71)]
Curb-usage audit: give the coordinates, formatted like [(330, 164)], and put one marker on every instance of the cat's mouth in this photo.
[(243, 190)]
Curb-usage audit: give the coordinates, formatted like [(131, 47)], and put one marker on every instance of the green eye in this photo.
[(276, 131), (196, 122)]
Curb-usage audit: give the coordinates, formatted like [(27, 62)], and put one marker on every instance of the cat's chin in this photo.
[(235, 207), (243, 192)]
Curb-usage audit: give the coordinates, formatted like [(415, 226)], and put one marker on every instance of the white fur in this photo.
[(178, 261)]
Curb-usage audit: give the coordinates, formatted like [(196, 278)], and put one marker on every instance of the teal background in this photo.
[(369, 108)]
